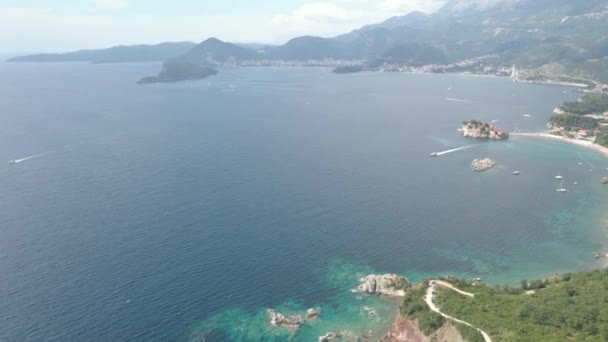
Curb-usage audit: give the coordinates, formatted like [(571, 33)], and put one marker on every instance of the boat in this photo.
[(561, 187), (527, 116), (559, 177), (434, 154), (516, 173), (12, 162)]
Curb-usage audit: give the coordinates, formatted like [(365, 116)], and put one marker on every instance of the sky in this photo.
[(66, 25)]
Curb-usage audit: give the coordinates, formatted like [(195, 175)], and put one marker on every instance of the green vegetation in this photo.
[(348, 69), (571, 307), (588, 104), (181, 70), (601, 137), (414, 307), (572, 121), (469, 334)]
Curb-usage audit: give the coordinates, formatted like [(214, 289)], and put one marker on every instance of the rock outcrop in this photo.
[(480, 165), (390, 285), (312, 314), (481, 130), (279, 320)]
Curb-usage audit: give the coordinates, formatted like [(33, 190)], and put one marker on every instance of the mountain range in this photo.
[(117, 54), (565, 36)]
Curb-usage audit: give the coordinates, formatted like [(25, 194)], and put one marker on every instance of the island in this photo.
[(180, 70), (481, 130), (481, 165)]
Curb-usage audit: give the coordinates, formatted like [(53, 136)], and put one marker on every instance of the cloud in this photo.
[(103, 23), (335, 17)]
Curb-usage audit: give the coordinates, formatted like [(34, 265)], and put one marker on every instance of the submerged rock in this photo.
[(480, 165), (390, 285), (343, 334)]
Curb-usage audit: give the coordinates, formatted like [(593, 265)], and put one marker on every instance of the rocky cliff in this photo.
[(390, 285)]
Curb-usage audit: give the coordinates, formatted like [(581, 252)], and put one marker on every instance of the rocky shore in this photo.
[(481, 165), (390, 285)]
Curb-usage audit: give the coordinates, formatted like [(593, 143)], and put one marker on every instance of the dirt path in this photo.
[(429, 301)]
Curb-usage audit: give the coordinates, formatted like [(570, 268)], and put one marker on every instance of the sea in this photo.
[(183, 212)]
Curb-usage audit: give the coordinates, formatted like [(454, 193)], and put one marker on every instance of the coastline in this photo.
[(587, 144)]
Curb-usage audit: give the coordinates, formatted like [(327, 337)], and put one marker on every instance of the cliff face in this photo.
[(482, 130)]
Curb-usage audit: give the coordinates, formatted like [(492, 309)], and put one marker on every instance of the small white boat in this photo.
[(516, 173), (559, 177), (12, 162), (527, 116), (434, 154)]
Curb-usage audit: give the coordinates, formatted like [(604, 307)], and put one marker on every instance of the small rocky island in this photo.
[(481, 130), (481, 165), (390, 285)]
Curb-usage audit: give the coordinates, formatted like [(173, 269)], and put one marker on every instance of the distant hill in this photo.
[(201, 61), (214, 51), (551, 37), (116, 54)]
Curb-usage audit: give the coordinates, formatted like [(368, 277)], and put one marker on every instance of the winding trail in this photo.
[(429, 301)]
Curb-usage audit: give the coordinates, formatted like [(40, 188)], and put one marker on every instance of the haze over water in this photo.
[(168, 211)]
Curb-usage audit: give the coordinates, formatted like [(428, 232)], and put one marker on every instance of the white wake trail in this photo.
[(458, 100), (455, 150), (30, 157)]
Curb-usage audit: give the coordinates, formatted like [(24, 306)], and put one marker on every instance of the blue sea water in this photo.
[(184, 211)]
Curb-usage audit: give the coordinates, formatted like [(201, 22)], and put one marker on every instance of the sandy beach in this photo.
[(592, 146)]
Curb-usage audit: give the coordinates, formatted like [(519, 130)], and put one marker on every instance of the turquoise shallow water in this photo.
[(183, 211)]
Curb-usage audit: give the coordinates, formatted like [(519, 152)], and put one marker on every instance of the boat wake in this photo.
[(458, 100), (586, 160), (455, 150), (17, 161)]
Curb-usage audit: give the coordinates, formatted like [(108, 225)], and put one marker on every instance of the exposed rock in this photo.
[(448, 332), (387, 285), (480, 165), (279, 320), (328, 337), (311, 314), (482, 130), (605, 180), (405, 330)]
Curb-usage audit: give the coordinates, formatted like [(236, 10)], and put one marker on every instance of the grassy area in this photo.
[(573, 307), (414, 307), (572, 121)]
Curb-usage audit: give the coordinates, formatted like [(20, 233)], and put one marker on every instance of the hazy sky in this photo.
[(60, 25)]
